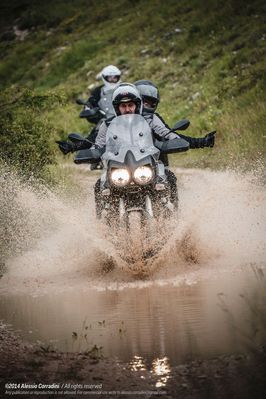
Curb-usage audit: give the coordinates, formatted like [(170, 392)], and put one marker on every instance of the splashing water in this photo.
[(51, 240)]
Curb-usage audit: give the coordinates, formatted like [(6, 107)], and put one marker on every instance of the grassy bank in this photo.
[(207, 60)]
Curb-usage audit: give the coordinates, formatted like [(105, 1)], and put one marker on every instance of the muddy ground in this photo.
[(234, 376)]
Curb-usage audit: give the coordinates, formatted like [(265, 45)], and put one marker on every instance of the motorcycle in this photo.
[(134, 193)]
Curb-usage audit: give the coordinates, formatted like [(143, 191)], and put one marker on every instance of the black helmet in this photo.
[(149, 93), (126, 92)]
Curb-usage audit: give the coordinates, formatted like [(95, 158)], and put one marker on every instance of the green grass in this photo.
[(208, 60)]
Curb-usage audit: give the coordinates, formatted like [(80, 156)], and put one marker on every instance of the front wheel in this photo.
[(135, 229)]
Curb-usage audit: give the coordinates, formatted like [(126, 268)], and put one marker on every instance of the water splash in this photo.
[(49, 242)]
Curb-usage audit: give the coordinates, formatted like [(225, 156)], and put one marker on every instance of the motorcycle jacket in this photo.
[(102, 97)]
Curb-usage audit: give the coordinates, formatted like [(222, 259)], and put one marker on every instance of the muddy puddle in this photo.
[(205, 294), (143, 325)]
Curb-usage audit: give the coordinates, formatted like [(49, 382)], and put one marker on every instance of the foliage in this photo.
[(207, 60), (25, 139)]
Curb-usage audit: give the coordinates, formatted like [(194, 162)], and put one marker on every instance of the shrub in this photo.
[(25, 137)]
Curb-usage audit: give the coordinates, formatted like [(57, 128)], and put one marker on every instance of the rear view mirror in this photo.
[(181, 125), (75, 137), (79, 101)]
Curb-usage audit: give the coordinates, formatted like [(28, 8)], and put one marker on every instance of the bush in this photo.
[(25, 137)]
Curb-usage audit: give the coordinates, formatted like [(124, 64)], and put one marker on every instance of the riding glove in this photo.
[(201, 142), (65, 146)]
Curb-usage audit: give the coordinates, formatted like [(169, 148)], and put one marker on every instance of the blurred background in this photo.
[(207, 58)]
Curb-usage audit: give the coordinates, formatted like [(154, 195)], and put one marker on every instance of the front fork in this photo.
[(147, 211)]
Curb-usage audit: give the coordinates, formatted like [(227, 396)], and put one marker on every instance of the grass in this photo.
[(207, 60)]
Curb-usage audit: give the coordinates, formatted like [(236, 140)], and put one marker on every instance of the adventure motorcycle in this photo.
[(133, 190)]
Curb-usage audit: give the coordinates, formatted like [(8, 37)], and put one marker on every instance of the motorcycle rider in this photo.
[(100, 100), (128, 100), (149, 93), (150, 97), (158, 126), (102, 96), (141, 98)]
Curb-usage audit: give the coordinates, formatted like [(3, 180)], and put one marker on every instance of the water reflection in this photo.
[(137, 364), (150, 327), (161, 368)]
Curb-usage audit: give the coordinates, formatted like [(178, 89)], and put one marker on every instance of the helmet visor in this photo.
[(112, 78), (149, 102)]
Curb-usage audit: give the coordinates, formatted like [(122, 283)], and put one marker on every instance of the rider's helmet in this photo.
[(124, 93), (111, 76), (149, 93)]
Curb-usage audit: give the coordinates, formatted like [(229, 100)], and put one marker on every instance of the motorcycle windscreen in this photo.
[(129, 132)]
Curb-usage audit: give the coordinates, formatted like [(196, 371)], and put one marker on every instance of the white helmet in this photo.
[(126, 92), (111, 76)]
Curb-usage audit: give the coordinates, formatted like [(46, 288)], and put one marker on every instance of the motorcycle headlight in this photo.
[(143, 174), (120, 177)]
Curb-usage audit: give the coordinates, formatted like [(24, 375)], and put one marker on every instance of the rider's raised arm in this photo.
[(200, 142), (160, 128)]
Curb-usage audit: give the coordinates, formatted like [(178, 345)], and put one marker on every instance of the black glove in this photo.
[(209, 139), (194, 142), (65, 146), (200, 142)]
